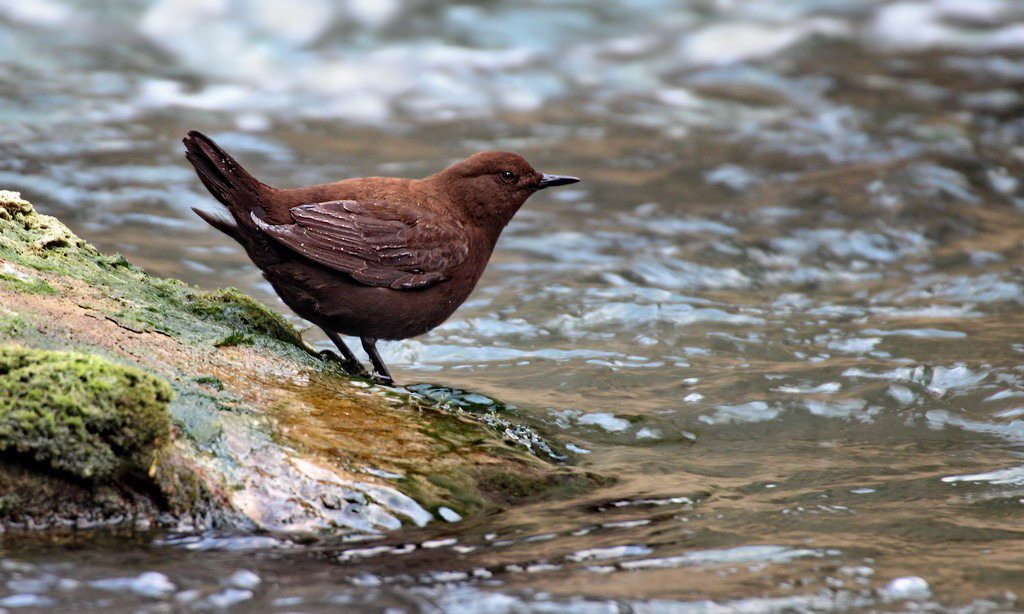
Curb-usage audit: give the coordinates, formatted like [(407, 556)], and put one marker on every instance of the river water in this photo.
[(783, 308)]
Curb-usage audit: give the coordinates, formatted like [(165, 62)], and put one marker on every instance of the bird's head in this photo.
[(491, 186)]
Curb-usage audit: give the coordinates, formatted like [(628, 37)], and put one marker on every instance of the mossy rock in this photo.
[(40, 244), (243, 312), (23, 285), (80, 414)]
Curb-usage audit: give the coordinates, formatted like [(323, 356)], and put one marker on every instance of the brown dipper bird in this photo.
[(378, 257)]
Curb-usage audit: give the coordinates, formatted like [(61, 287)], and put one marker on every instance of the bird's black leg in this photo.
[(350, 363), (379, 368)]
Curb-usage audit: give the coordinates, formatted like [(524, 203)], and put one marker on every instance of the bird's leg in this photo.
[(350, 363), (379, 368)]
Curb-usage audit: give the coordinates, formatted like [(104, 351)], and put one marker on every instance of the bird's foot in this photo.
[(352, 367), (384, 380)]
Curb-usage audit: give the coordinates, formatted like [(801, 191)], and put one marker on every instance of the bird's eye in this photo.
[(507, 176)]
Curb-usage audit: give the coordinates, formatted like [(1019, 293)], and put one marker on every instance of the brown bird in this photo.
[(377, 257)]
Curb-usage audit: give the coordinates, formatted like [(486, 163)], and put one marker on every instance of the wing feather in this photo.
[(377, 243)]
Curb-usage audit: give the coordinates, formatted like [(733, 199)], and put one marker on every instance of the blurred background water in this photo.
[(784, 307)]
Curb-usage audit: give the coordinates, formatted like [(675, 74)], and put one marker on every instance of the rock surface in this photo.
[(126, 398)]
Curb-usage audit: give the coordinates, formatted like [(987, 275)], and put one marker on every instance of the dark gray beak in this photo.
[(548, 181)]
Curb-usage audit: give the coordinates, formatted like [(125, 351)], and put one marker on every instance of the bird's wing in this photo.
[(376, 242)]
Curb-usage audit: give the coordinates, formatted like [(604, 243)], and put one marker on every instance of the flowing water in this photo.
[(783, 308)]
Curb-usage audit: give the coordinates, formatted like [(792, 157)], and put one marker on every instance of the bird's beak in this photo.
[(547, 181)]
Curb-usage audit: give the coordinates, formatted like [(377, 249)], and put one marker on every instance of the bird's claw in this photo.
[(356, 369), (383, 380), (351, 367)]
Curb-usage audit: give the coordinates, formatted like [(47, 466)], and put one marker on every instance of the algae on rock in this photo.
[(259, 431), (80, 414)]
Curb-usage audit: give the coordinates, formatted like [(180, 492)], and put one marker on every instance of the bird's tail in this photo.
[(236, 189), (225, 178), (220, 173)]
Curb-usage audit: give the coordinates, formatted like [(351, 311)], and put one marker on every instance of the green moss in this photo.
[(209, 380), (233, 339), (241, 311), (80, 414), (181, 487), (14, 325), (35, 286)]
